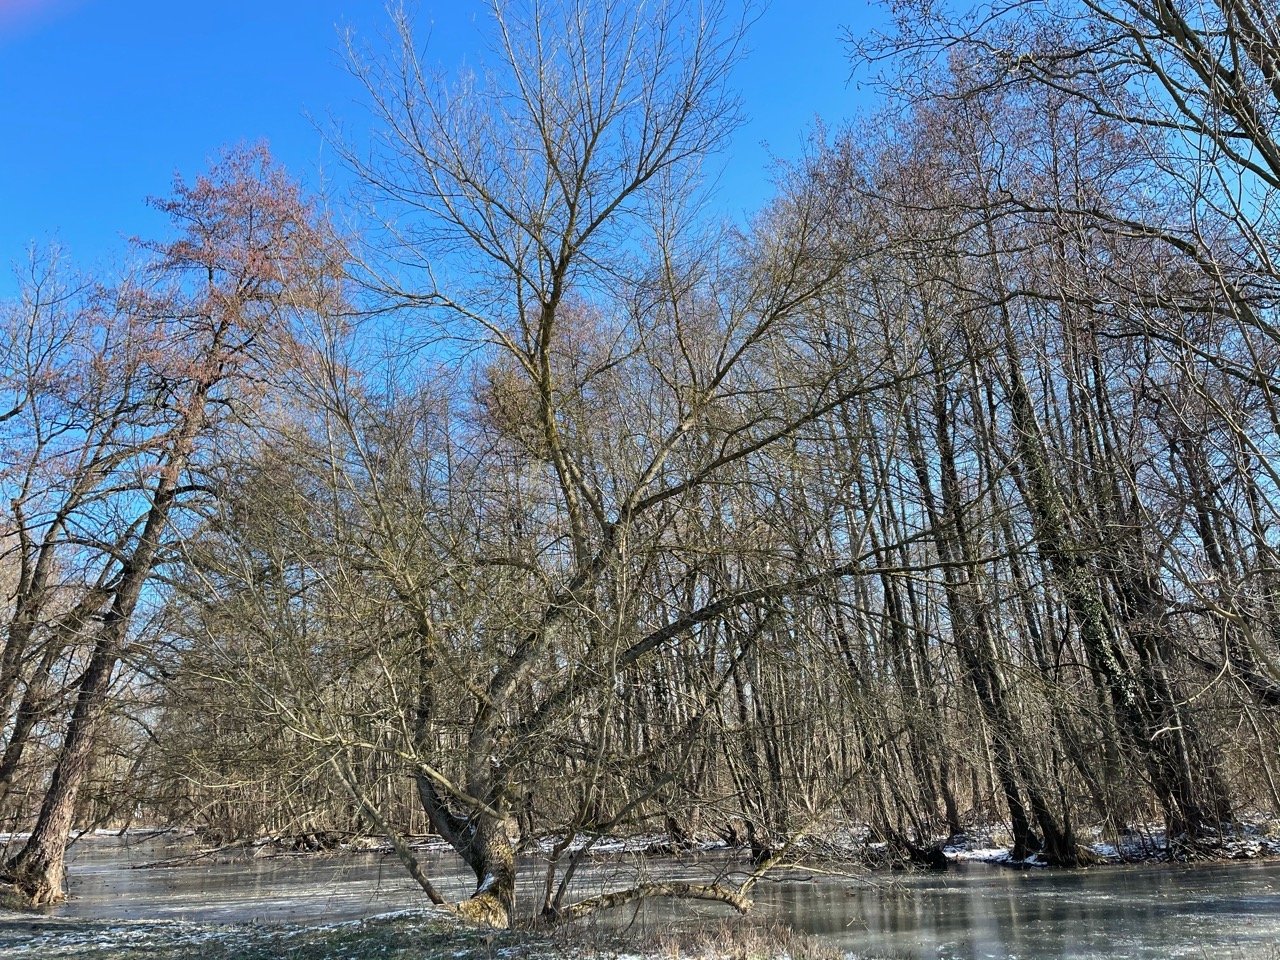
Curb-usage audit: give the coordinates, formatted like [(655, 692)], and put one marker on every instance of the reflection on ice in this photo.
[(973, 911)]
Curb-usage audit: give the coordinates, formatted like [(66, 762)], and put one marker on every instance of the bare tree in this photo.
[(150, 367)]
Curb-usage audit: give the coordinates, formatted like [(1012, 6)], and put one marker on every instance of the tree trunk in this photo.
[(492, 856), (38, 869)]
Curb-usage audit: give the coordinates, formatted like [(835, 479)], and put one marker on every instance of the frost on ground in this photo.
[(404, 935), (422, 935)]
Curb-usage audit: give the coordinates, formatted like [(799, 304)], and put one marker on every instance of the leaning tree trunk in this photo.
[(484, 843), (481, 836), (492, 856), (1145, 708), (38, 868)]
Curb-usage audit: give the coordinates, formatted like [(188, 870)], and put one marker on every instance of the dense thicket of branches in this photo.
[(946, 492)]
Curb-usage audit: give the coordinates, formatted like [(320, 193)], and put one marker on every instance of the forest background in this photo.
[(550, 504)]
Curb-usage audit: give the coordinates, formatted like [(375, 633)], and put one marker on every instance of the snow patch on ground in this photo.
[(639, 845), (1256, 836), (977, 854), (399, 935)]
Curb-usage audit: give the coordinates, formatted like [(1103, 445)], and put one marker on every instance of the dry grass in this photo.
[(729, 939), (742, 941)]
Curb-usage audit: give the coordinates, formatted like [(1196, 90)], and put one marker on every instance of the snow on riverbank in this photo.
[(1255, 837)]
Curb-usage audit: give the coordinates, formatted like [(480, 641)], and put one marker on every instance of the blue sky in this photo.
[(102, 101)]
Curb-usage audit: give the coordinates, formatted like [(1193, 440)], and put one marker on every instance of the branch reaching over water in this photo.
[(672, 888)]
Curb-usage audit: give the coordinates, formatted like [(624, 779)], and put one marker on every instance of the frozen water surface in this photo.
[(974, 911), (1154, 911)]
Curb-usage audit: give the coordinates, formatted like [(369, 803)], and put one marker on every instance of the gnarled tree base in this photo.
[(484, 909), (27, 885)]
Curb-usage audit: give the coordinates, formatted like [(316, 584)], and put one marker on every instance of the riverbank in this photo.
[(1253, 837)]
